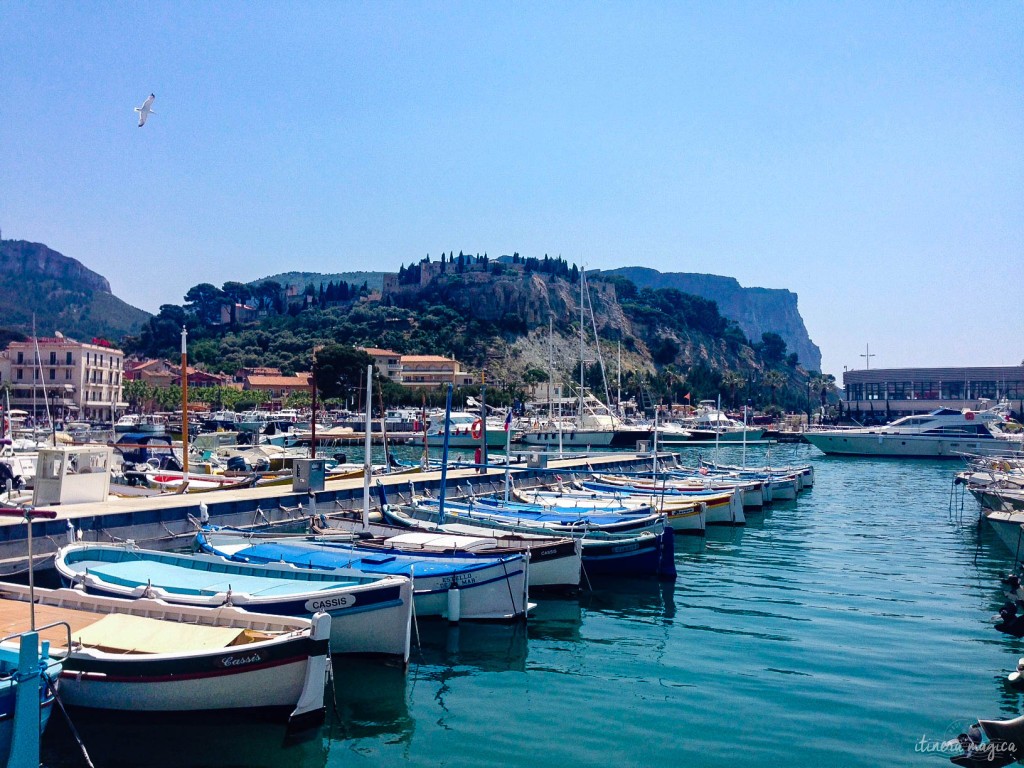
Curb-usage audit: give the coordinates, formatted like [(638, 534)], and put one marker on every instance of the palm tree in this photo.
[(733, 380), (824, 384), (773, 380)]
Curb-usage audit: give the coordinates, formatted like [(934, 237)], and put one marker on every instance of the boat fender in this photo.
[(454, 605), (1017, 676)]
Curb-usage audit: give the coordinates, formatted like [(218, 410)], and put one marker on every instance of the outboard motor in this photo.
[(6, 473), (238, 464), (341, 458)]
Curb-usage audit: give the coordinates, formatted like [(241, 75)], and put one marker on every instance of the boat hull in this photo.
[(646, 556), (579, 438), (1007, 526), (905, 446), (261, 679), (367, 618)]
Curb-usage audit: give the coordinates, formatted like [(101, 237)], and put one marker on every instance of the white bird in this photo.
[(145, 110)]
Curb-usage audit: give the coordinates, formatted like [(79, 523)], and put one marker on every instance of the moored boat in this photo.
[(368, 614), (554, 561), (944, 433), (643, 551), (149, 656), (488, 588)]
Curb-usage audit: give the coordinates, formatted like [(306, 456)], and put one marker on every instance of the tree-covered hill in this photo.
[(494, 317), (61, 293)]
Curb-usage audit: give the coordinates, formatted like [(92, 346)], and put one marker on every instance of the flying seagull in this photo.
[(145, 110)]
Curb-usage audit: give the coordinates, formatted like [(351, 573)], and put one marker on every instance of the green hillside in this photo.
[(61, 293)]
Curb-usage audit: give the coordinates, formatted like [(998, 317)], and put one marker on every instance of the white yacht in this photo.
[(710, 423), (465, 430), (593, 425), (943, 433)]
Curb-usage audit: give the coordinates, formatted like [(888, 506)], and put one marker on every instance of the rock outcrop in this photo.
[(62, 294), (756, 310)]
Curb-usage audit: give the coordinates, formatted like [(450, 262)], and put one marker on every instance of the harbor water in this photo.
[(850, 627)]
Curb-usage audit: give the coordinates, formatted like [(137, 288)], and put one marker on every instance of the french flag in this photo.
[(508, 420)]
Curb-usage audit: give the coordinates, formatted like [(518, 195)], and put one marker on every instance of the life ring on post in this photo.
[(477, 429)]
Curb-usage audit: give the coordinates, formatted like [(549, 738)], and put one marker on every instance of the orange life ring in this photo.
[(477, 429)]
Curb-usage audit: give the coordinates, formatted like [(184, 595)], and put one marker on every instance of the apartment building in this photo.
[(75, 379)]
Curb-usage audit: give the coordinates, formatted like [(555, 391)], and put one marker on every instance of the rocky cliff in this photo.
[(61, 292), (756, 310), (521, 305)]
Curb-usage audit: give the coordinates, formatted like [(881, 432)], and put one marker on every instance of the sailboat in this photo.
[(594, 424)]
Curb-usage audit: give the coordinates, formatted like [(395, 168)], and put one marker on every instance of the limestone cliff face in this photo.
[(35, 260), (523, 303), (61, 293), (756, 310)]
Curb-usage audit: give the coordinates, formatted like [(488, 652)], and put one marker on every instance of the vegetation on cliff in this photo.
[(60, 294), (493, 316)]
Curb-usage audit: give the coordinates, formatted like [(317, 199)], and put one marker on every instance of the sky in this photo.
[(866, 155)]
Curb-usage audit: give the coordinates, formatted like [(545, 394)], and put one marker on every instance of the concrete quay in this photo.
[(170, 521)]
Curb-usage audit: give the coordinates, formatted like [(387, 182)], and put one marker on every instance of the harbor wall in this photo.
[(170, 521)]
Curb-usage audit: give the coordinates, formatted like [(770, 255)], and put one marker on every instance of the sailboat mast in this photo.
[(42, 382), (184, 403), (551, 365), (618, 381), (597, 342), (579, 413), (367, 443)]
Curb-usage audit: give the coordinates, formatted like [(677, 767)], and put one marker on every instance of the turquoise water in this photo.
[(839, 629)]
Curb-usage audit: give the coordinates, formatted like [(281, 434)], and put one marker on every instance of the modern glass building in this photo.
[(893, 392)]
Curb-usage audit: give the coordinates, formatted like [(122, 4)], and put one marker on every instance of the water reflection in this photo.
[(372, 701), (556, 619), (162, 741), (471, 647), (637, 599)]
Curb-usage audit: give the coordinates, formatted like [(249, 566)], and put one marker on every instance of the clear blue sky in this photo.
[(868, 156)]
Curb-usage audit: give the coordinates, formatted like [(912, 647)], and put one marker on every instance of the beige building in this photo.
[(433, 371), (418, 370), (387, 363), (79, 380), (279, 387)]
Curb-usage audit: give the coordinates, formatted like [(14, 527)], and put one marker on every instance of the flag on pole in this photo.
[(686, 396), (508, 420)]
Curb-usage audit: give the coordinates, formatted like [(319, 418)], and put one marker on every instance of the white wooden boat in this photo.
[(370, 614), (554, 562), (488, 588), (150, 656)]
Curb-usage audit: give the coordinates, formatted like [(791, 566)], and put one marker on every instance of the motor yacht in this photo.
[(942, 433)]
